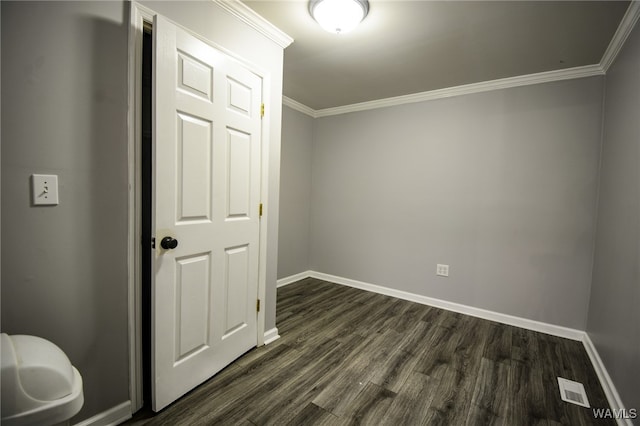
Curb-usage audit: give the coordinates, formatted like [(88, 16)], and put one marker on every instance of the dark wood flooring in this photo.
[(347, 356)]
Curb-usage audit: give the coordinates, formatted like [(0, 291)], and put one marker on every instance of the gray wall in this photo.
[(295, 193), (499, 185), (614, 313), (64, 111)]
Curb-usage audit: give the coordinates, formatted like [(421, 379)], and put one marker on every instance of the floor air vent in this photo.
[(573, 392)]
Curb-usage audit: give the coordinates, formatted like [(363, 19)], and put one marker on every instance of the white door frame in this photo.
[(139, 15)]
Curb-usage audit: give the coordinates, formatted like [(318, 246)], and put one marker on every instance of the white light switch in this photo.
[(44, 190)]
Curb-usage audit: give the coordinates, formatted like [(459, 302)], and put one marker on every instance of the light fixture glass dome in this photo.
[(338, 16)]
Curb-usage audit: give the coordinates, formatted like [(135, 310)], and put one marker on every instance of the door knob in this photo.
[(168, 243)]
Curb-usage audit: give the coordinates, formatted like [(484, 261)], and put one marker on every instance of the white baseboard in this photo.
[(293, 278), (271, 336), (605, 380), (113, 416), (555, 330)]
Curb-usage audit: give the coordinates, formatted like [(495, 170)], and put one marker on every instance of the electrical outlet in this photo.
[(442, 270)]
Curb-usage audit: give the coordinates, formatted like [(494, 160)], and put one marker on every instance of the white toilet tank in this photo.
[(39, 384)]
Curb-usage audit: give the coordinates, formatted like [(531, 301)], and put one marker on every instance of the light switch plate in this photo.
[(44, 190)]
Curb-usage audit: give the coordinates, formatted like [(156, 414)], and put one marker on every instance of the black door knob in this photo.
[(168, 243)]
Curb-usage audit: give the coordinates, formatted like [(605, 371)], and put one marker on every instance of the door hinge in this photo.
[(261, 110), (260, 210), (258, 305)]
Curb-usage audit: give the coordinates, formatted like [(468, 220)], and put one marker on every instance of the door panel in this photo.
[(239, 97), (239, 163), (236, 287), (207, 130), (195, 77), (194, 168), (192, 305)]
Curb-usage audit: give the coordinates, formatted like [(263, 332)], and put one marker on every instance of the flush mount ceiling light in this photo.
[(338, 16)]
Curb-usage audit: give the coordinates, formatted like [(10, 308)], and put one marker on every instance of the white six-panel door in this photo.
[(207, 129)]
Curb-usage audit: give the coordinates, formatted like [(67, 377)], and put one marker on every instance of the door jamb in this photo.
[(138, 16)]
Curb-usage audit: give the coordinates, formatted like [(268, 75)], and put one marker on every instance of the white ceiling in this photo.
[(405, 47)]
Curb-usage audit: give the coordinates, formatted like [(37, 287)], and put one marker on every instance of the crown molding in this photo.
[(448, 92), (255, 21), (624, 29), (467, 89), (299, 107), (629, 20)]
